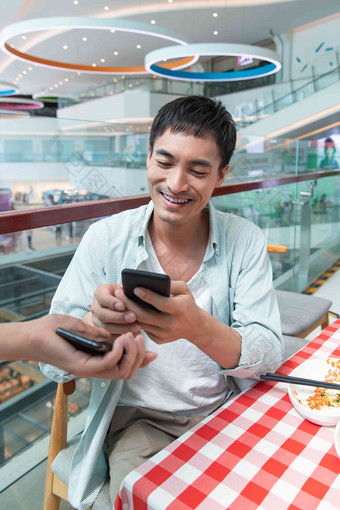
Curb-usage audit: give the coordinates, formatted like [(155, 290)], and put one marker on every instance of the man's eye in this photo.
[(163, 164), (198, 173)]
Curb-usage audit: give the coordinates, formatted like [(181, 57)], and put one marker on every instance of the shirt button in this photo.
[(103, 384)]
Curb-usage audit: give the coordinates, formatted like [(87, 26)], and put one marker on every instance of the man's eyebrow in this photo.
[(202, 162), (163, 152)]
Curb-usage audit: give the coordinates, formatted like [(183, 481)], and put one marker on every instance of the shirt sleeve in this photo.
[(75, 292), (255, 314)]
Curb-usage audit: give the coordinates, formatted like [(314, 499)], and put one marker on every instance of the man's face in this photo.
[(183, 171)]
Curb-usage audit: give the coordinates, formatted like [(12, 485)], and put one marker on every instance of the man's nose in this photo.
[(178, 180)]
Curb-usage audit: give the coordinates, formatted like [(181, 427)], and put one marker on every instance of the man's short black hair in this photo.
[(197, 116)]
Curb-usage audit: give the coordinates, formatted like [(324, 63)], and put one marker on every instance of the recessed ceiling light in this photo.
[(51, 88), (75, 2), (153, 21), (102, 59), (78, 73), (215, 32), (215, 14), (55, 86), (170, 1), (30, 68), (23, 37), (84, 39), (138, 46), (20, 75), (106, 8), (65, 47), (115, 53), (112, 31), (94, 65), (66, 79), (165, 59), (60, 83), (13, 46)]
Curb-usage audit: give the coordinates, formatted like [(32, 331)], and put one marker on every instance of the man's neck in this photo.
[(180, 249), (184, 236)]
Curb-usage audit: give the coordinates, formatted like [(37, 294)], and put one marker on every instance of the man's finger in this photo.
[(104, 295), (158, 301), (106, 316), (129, 356), (178, 287)]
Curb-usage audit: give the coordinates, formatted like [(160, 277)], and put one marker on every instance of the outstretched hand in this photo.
[(44, 345)]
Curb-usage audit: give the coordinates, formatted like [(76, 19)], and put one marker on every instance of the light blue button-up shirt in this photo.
[(238, 273)]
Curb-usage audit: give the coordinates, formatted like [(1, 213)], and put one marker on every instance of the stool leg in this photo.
[(57, 443), (325, 321)]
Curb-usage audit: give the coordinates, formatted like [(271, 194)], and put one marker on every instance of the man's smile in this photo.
[(173, 200)]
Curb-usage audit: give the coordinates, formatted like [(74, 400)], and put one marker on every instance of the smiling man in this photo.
[(214, 336)]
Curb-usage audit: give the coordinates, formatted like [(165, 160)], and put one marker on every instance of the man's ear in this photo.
[(221, 175)]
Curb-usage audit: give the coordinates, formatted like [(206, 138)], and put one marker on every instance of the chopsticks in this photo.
[(299, 380)]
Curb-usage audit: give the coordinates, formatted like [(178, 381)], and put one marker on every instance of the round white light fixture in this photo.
[(271, 58), (42, 24), (7, 89)]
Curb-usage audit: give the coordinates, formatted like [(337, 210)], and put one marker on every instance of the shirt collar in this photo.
[(143, 225), (213, 247)]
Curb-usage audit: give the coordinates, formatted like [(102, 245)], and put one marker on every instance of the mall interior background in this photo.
[(88, 141)]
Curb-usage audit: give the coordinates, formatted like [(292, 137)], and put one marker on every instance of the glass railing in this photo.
[(277, 184), (156, 85)]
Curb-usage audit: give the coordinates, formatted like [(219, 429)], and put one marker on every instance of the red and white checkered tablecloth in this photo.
[(254, 452)]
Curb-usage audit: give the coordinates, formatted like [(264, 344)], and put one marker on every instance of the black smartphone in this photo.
[(84, 344), (157, 282)]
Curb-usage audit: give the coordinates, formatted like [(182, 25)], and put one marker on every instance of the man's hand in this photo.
[(180, 317), (110, 313), (44, 345)]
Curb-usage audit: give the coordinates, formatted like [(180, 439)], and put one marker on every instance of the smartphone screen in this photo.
[(84, 344), (157, 282)]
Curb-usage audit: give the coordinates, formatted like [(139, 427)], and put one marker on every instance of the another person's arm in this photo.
[(37, 341)]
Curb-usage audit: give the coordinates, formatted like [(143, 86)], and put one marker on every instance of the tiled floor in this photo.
[(20, 496)]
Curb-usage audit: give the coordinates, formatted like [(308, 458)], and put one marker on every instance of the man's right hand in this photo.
[(109, 312)]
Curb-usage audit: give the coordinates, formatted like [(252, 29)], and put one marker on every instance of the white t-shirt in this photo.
[(183, 379)]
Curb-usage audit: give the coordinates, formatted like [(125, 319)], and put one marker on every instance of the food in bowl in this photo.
[(317, 404)]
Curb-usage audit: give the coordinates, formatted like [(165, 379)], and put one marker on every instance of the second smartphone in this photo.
[(84, 344), (157, 282)]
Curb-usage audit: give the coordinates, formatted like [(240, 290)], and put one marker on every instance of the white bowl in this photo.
[(318, 369), (337, 438)]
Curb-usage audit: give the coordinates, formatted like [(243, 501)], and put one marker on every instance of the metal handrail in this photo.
[(16, 221)]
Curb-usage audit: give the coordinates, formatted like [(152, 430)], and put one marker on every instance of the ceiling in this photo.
[(236, 21)]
